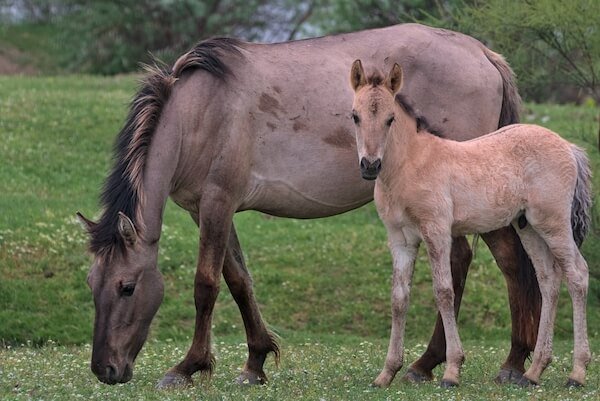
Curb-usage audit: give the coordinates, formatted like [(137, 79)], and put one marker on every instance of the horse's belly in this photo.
[(327, 195)]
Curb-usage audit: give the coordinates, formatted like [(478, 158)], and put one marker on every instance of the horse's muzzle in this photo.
[(370, 170), (110, 374)]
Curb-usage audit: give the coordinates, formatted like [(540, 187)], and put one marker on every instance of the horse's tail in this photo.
[(582, 198), (511, 100)]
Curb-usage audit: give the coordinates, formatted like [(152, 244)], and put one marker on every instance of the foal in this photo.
[(431, 189)]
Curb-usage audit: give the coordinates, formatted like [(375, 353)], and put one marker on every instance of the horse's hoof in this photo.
[(508, 376), (174, 380), (249, 378), (415, 377), (525, 382), (571, 383), (383, 380), (445, 383)]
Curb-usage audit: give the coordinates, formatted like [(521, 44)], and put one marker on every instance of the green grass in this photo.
[(323, 281), (312, 368)]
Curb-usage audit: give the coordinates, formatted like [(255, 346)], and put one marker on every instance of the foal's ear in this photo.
[(357, 75), (127, 229), (394, 79), (86, 223)]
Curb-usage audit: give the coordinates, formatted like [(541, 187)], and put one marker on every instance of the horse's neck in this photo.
[(408, 148), (161, 163)]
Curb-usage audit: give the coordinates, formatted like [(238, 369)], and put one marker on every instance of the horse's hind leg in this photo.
[(549, 277), (260, 340), (421, 369), (216, 215), (523, 296)]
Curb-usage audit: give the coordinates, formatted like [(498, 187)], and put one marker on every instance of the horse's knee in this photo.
[(444, 295)]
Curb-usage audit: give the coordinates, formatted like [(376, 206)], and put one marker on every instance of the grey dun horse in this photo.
[(235, 126)]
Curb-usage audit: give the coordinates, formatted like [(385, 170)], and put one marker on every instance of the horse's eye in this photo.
[(389, 121), (355, 118), (127, 289)]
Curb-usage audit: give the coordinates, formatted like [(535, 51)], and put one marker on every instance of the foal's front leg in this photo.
[(438, 249), (404, 252)]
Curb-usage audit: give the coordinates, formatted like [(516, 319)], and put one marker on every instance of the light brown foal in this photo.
[(430, 189)]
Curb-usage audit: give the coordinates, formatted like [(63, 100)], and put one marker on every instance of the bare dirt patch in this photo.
[(12, 62)]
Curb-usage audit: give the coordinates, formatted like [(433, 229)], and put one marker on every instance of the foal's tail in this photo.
[(582, 198), (511, 100)]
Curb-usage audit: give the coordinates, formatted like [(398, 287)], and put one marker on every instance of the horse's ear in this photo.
[(86, 223), (127, 229), (394, 78), (357, 75)]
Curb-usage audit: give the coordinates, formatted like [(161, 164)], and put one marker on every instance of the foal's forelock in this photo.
[(123, 188)]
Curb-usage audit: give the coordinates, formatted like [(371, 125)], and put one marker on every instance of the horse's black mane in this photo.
[(376, 79), (122, 190), (422, 123)]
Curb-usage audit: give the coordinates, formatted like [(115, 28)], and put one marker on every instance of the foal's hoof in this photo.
[(174, 380), (416, 377), (250, 378), (525, 382), (571, 383), (508, 376), (445, 383)]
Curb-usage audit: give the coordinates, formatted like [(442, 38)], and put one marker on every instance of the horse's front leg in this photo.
[(438, 249), (421, 369), (216, 214), (260, 340), (404, 252)]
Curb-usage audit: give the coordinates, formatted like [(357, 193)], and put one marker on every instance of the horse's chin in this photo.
[(369, 177)]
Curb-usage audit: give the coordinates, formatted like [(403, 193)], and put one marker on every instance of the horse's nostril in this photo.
[(111, 373), (376, 165), (364, 164)]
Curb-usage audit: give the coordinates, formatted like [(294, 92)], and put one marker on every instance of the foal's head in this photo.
[(374, 112)]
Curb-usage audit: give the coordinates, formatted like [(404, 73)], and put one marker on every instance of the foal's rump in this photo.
[(535, 171)]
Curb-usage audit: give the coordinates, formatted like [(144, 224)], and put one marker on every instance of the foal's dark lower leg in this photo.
[(435, 354), (260, 341), (524, 299)]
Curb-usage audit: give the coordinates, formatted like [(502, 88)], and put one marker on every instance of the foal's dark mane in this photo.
[(122, 190), (376, 79)]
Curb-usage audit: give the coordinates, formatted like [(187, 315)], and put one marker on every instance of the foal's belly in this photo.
[(485, 219)]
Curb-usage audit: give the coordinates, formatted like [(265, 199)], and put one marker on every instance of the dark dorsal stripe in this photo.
[(422, 123), (122, 190)]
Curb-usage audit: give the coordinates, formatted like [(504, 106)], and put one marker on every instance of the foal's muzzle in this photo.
[(370, 170)]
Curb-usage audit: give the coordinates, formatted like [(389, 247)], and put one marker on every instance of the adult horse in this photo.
[(236, 126)]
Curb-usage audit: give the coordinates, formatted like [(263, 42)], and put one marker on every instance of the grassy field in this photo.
[(323, 285)]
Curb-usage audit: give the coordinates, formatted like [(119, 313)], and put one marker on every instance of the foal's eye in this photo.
[(355, 118), (389, 121), (127, 289)]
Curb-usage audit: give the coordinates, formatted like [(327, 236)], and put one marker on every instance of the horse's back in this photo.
[(287, 106)]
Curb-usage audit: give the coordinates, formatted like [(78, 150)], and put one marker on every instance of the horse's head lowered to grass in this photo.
[(127, 289)]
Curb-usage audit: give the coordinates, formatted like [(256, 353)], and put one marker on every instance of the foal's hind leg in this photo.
[(260, 340), (549, 277), (523, 296), (575, 271), (577, 277), (421, 369)]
